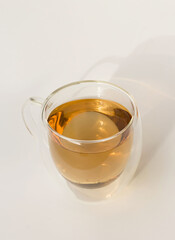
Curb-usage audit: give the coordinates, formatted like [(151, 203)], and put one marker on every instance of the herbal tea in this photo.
[(90, 163)]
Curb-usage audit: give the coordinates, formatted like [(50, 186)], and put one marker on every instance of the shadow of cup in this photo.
[(148, 74), (157, 112)]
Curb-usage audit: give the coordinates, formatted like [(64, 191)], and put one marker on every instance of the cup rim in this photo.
[(89, 141)]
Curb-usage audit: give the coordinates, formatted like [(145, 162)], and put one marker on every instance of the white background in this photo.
[(44, 44)]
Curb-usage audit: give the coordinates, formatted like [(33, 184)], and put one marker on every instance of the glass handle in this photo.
[(28, 114)]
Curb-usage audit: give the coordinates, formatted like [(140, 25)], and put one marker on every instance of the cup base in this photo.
[(94, 185), (94, 192)]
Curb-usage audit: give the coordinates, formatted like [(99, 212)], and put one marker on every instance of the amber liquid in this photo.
[(90, 164)]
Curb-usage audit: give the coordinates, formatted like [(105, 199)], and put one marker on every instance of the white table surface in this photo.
[(45, 44)]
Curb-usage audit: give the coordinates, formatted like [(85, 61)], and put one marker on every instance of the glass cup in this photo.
[(93, 169)]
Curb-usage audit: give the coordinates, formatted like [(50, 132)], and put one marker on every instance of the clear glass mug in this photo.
[(93, 169)]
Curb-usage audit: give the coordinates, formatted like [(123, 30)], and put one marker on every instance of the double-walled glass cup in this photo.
[(89, 165)]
